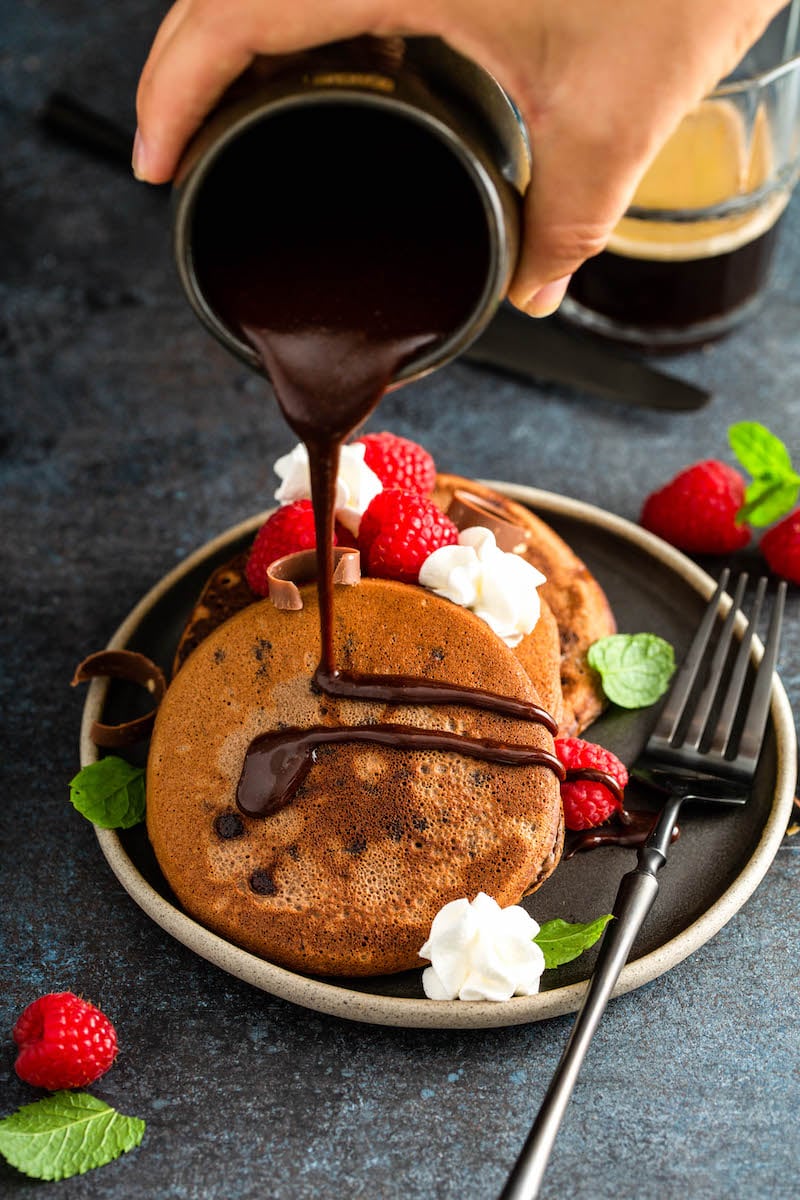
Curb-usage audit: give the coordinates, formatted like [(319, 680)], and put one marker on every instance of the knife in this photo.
[(547, 351)]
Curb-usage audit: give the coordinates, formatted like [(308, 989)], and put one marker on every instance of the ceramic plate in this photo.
[(714, 866)]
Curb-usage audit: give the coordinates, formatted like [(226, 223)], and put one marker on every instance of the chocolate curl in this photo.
[(288, 574), (466, 510), (135, 668)]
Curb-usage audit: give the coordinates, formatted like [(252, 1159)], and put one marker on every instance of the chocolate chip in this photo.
[(262, 883), (357, 846), (396, 830), (228, 825)]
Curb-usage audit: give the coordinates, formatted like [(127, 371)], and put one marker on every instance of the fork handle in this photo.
[(635, 896)]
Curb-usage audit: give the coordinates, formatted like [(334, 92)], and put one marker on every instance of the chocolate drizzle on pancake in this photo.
[(277, 763), (407, 689)]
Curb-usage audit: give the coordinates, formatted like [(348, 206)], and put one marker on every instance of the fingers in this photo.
[(202, 46), (589, 153), (577, 194), (189, 67), (600, 118)]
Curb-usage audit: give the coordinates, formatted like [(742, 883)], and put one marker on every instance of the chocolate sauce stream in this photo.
[(276, 763), (327, 382)]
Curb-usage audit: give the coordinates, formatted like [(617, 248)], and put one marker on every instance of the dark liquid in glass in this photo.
[(670, 295)]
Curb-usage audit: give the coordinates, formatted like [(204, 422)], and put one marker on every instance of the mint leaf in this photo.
[(759, 451), (110, 793), (767, 500), (561, 941), (634, 668), (775, 484), (66, 1134)]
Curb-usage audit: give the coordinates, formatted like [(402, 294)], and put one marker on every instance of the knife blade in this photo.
[(546, 351)]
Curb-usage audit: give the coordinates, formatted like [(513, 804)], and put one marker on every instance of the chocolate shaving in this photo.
[(135, 668), (466, 510), (288, 574)]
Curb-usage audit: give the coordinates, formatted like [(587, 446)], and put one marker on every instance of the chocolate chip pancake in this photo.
[(346, 877), (577, 601)]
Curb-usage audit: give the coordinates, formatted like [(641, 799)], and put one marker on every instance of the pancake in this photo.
[(577, 601), (346, 878)]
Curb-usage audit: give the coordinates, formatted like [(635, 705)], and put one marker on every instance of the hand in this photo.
[(601, 85)]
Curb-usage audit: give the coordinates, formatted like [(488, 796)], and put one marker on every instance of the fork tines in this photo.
[(713, 722)]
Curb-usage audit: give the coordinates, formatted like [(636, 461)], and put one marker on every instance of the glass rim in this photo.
[(763, 78)]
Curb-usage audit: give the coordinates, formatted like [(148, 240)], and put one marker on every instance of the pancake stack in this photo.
[(346, 878)]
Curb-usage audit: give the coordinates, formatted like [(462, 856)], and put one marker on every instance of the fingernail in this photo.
[(545, 302), (139, 157)]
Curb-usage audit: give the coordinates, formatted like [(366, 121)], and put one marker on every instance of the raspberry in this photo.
[(398, 462), (587, 803), (781, 547), (64, 1042), (398, 532), (697, 510), (290, 528)]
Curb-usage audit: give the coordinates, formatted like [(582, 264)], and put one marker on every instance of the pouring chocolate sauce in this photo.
[(363, 263), (341, 243)]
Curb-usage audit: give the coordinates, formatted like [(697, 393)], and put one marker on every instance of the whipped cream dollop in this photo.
[(356, 483), (497, 586), (480, 951)]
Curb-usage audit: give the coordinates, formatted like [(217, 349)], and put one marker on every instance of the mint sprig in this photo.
[(66, 1134), (775, 484), (634, 668), (561, 941), (110, 792)]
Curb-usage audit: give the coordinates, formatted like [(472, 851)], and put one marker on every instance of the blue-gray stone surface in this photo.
[(128, 438)]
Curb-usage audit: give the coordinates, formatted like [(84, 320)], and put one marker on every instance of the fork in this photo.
[(705, 746)]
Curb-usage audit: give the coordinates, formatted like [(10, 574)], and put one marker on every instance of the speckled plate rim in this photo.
[(404, 1012)]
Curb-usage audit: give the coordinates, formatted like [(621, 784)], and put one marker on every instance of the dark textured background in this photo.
[(127, 439)]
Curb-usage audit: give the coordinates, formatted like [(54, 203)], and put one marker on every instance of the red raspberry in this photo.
[(586, 803), (398, 462), (64, 1042), (398, 532), (781, 547), (697, 511), (290, 528)]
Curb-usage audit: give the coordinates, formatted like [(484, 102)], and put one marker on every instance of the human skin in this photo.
[(601, 85)]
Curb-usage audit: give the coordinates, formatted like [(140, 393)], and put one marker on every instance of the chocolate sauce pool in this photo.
[(340, 271)]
